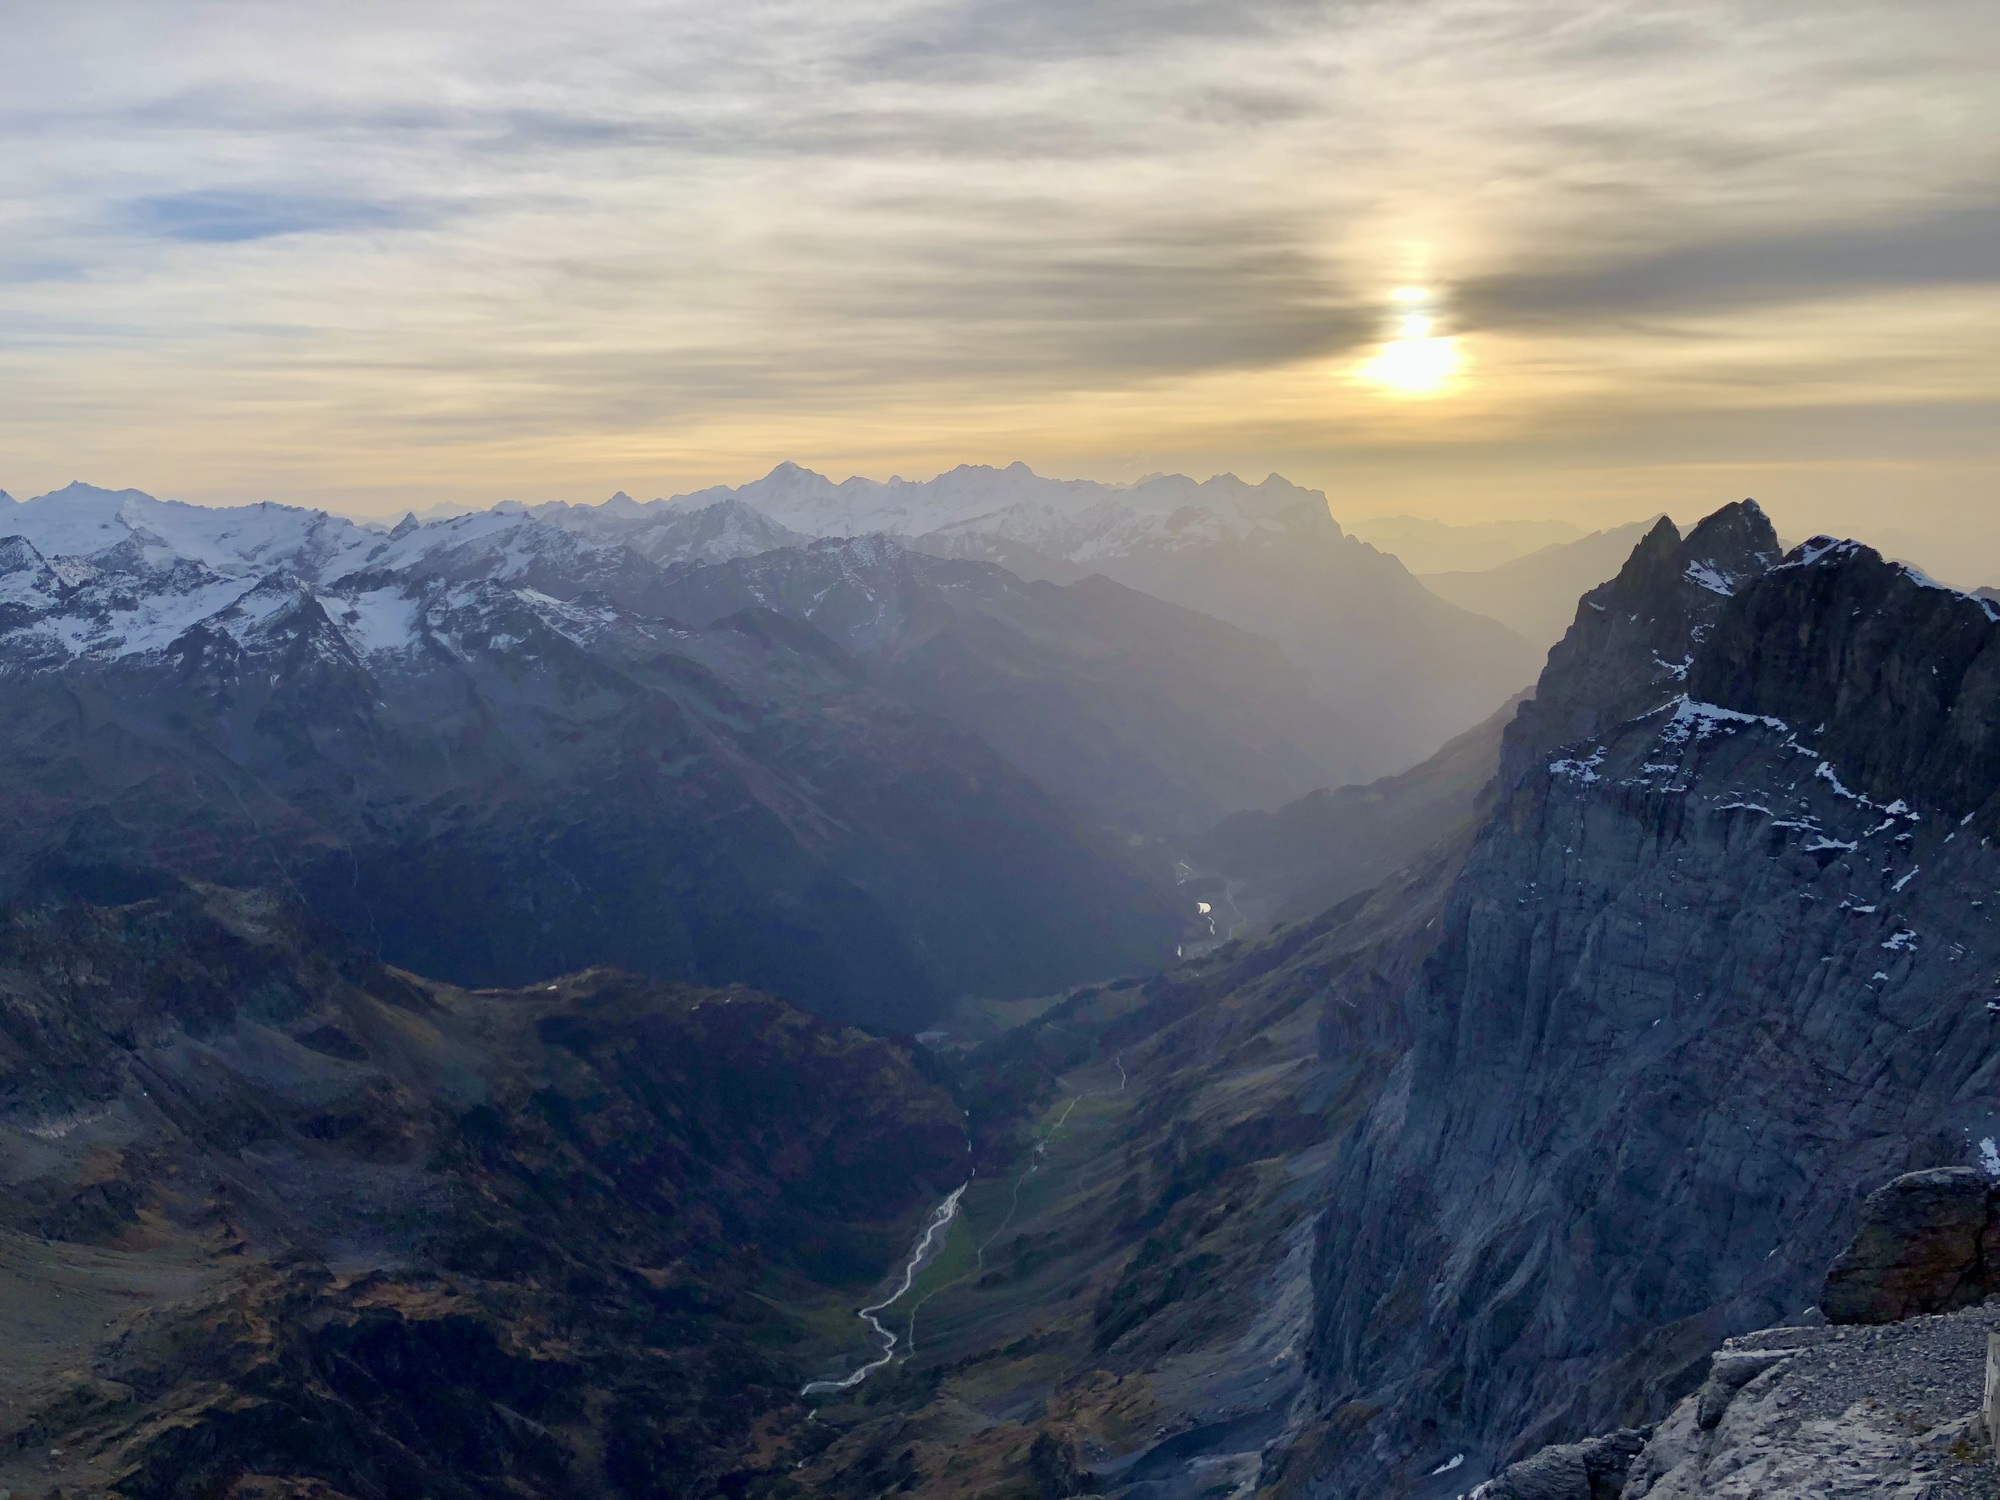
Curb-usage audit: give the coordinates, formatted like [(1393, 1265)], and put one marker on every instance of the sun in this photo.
[(1415, 360)]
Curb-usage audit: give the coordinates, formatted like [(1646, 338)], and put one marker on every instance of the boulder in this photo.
[(1728, 1373), (1929, 1242), (1593, 1469)]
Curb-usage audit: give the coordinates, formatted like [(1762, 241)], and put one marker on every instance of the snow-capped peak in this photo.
[(1079, 520)]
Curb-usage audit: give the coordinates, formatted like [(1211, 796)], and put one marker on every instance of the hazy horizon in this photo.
[(1943, 559), (1463, 259)]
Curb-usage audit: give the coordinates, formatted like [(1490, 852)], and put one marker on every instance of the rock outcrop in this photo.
[(1798, 1413), (1929, 1242), (1593, 1469), (1801, 1413)]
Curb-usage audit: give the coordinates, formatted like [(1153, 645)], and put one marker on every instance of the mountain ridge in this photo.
[(1404, 670), (421, 752), (1533, 594)]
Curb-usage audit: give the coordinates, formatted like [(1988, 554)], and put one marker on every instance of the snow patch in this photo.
[(1810, 553), (1708, 576), (1583, 771), (1697, 721), (379, 620)]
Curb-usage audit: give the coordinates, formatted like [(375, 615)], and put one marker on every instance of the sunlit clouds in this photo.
[(1417, 357), (369, 254)]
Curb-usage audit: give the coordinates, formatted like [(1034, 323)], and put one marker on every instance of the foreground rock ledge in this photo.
[(1806, 1413)]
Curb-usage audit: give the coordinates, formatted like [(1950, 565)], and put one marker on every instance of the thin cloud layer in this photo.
[(371, 252)]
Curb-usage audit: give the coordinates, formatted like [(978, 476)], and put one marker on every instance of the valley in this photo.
[(1000, 750), (835, 1019)]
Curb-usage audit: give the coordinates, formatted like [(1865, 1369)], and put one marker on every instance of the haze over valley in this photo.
[(1193, 843)]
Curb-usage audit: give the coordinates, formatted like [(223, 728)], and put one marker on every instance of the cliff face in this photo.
[(1720, 963)]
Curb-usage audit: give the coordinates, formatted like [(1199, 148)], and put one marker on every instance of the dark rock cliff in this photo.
[(1720, 963)]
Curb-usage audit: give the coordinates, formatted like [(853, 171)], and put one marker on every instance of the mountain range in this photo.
[(702, 738), (394, 1098), (498, 783), (1400, 669)]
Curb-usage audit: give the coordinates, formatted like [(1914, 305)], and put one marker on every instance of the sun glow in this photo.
[(1414, 360)]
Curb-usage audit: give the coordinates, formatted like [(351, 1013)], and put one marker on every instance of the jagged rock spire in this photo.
[(1635, 636)]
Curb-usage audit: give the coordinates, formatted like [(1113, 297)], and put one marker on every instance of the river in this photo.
[(928, 1244)]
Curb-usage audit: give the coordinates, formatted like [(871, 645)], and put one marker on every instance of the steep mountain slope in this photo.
[(1401, 670), (1154, 719), (1125, 1304), (1719, 964), (1536, 595), (279, 1221), (497, 785)]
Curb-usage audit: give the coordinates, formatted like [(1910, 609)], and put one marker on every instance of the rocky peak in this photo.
[(1717, 960), (28, 585), (1903, 673), (1635, 637), (1729, 548)]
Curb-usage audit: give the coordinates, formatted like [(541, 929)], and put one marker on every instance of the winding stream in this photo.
[(931, 1241), (928, 1243)]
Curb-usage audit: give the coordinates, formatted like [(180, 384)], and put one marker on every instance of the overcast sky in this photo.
[(369, 254)]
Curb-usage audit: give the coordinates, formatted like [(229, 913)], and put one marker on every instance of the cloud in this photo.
[(231, 217), (1951, 246), (656, 219), (988, 36)]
